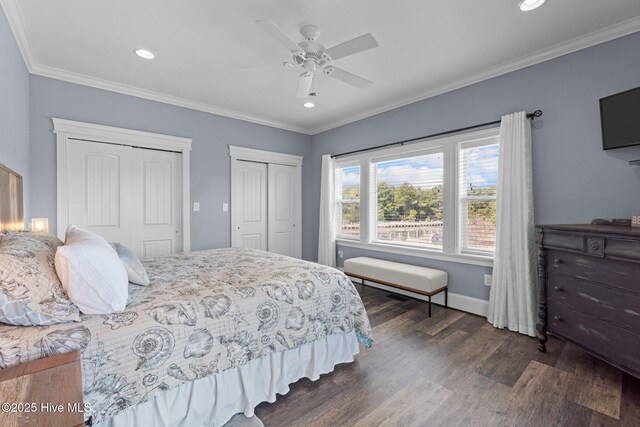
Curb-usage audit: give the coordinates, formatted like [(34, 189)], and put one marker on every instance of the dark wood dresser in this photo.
[(589, 279)]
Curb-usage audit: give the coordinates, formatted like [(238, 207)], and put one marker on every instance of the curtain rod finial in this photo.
[(535, 114)]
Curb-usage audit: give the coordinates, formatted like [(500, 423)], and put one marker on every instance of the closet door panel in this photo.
[(100, 195), (157, 201), (283, 209), (249, 208)]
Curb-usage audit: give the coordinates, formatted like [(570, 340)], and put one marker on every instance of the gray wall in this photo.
[(14, 108), (574, 179), (210, 162)]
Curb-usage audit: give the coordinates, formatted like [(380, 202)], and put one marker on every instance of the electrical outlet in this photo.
[(487, 279), (196, 206), (340, 253), (225, 207)]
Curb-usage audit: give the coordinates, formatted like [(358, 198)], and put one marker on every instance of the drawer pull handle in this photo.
[(557, 261), (557, 288), (594, 246), (557, 318)]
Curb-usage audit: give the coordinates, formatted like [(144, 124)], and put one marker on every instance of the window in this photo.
[(347, 187), (432, 198), (409, 193), (477, 191)]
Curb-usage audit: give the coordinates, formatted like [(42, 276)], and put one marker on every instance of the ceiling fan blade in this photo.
[(359, 44), (275, 32), (304, 85), (348, 78)]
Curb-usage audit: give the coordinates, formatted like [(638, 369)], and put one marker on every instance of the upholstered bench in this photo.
[(421, 280)]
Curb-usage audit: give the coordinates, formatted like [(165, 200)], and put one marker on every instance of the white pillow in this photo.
[(136, 272), (91, 273)]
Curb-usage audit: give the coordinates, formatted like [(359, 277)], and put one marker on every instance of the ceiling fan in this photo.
[(311, 56)]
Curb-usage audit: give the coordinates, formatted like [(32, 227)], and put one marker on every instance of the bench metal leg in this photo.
[(446, 295), (429, 305)]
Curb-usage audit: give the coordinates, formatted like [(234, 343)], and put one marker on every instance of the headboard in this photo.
[(11, 204)]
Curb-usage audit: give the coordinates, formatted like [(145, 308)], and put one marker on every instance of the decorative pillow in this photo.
[(30, 291), (91, 272), (136, 272)]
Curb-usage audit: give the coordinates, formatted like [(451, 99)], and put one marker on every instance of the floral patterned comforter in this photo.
[(204, 312)]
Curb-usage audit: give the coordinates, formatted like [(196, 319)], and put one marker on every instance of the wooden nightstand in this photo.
[(43, 392)]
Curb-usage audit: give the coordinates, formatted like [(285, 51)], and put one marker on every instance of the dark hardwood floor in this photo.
[(455, 369)]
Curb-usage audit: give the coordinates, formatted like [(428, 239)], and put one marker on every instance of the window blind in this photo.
[(478, 168), (409, 200), (347, 187)]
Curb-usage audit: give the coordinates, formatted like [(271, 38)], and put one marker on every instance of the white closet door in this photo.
[(250, 205), (157, 200), (100, 196), (283, 210)]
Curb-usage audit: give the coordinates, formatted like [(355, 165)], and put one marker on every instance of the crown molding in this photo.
[(16, 22), (588, 40)]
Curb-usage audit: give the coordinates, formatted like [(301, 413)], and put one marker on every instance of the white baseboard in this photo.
[(459, 302)]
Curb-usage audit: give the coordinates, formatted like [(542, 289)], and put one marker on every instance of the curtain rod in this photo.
[(531, 116)]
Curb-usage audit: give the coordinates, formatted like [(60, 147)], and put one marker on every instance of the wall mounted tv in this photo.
[(620, 119)]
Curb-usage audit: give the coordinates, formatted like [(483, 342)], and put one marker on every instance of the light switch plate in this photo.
[(225, 207), (487, 279), (196, 206)]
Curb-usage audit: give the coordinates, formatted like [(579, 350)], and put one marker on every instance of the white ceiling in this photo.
[(426, 48)]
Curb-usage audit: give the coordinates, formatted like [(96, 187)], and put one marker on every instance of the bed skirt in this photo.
[(214, 400)]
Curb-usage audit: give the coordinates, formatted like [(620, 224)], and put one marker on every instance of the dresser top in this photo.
[(594, 229)]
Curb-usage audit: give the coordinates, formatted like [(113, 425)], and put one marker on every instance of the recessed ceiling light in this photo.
[(144, 53), (309, 104), (527, 5)]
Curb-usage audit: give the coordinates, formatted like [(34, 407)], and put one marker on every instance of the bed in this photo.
[(216, 333)]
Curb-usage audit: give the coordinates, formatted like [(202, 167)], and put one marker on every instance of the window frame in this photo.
[(339, 235), (450, 147), (462, 248), (373, 192)]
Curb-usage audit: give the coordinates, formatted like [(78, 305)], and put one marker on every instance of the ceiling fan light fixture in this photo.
[(309, 104), (144, 53), (528, 5)]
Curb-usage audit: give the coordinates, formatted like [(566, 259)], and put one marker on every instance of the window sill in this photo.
[(484, 261)]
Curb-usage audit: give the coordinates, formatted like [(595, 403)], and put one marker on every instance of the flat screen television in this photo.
[(620, 119)]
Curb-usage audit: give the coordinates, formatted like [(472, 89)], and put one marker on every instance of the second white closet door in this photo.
[(157, 201), (283, 210), (250, 210)]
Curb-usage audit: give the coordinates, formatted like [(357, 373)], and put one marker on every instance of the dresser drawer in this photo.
[(619, 274), (606, 303), (589, 244), (612, 343)]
